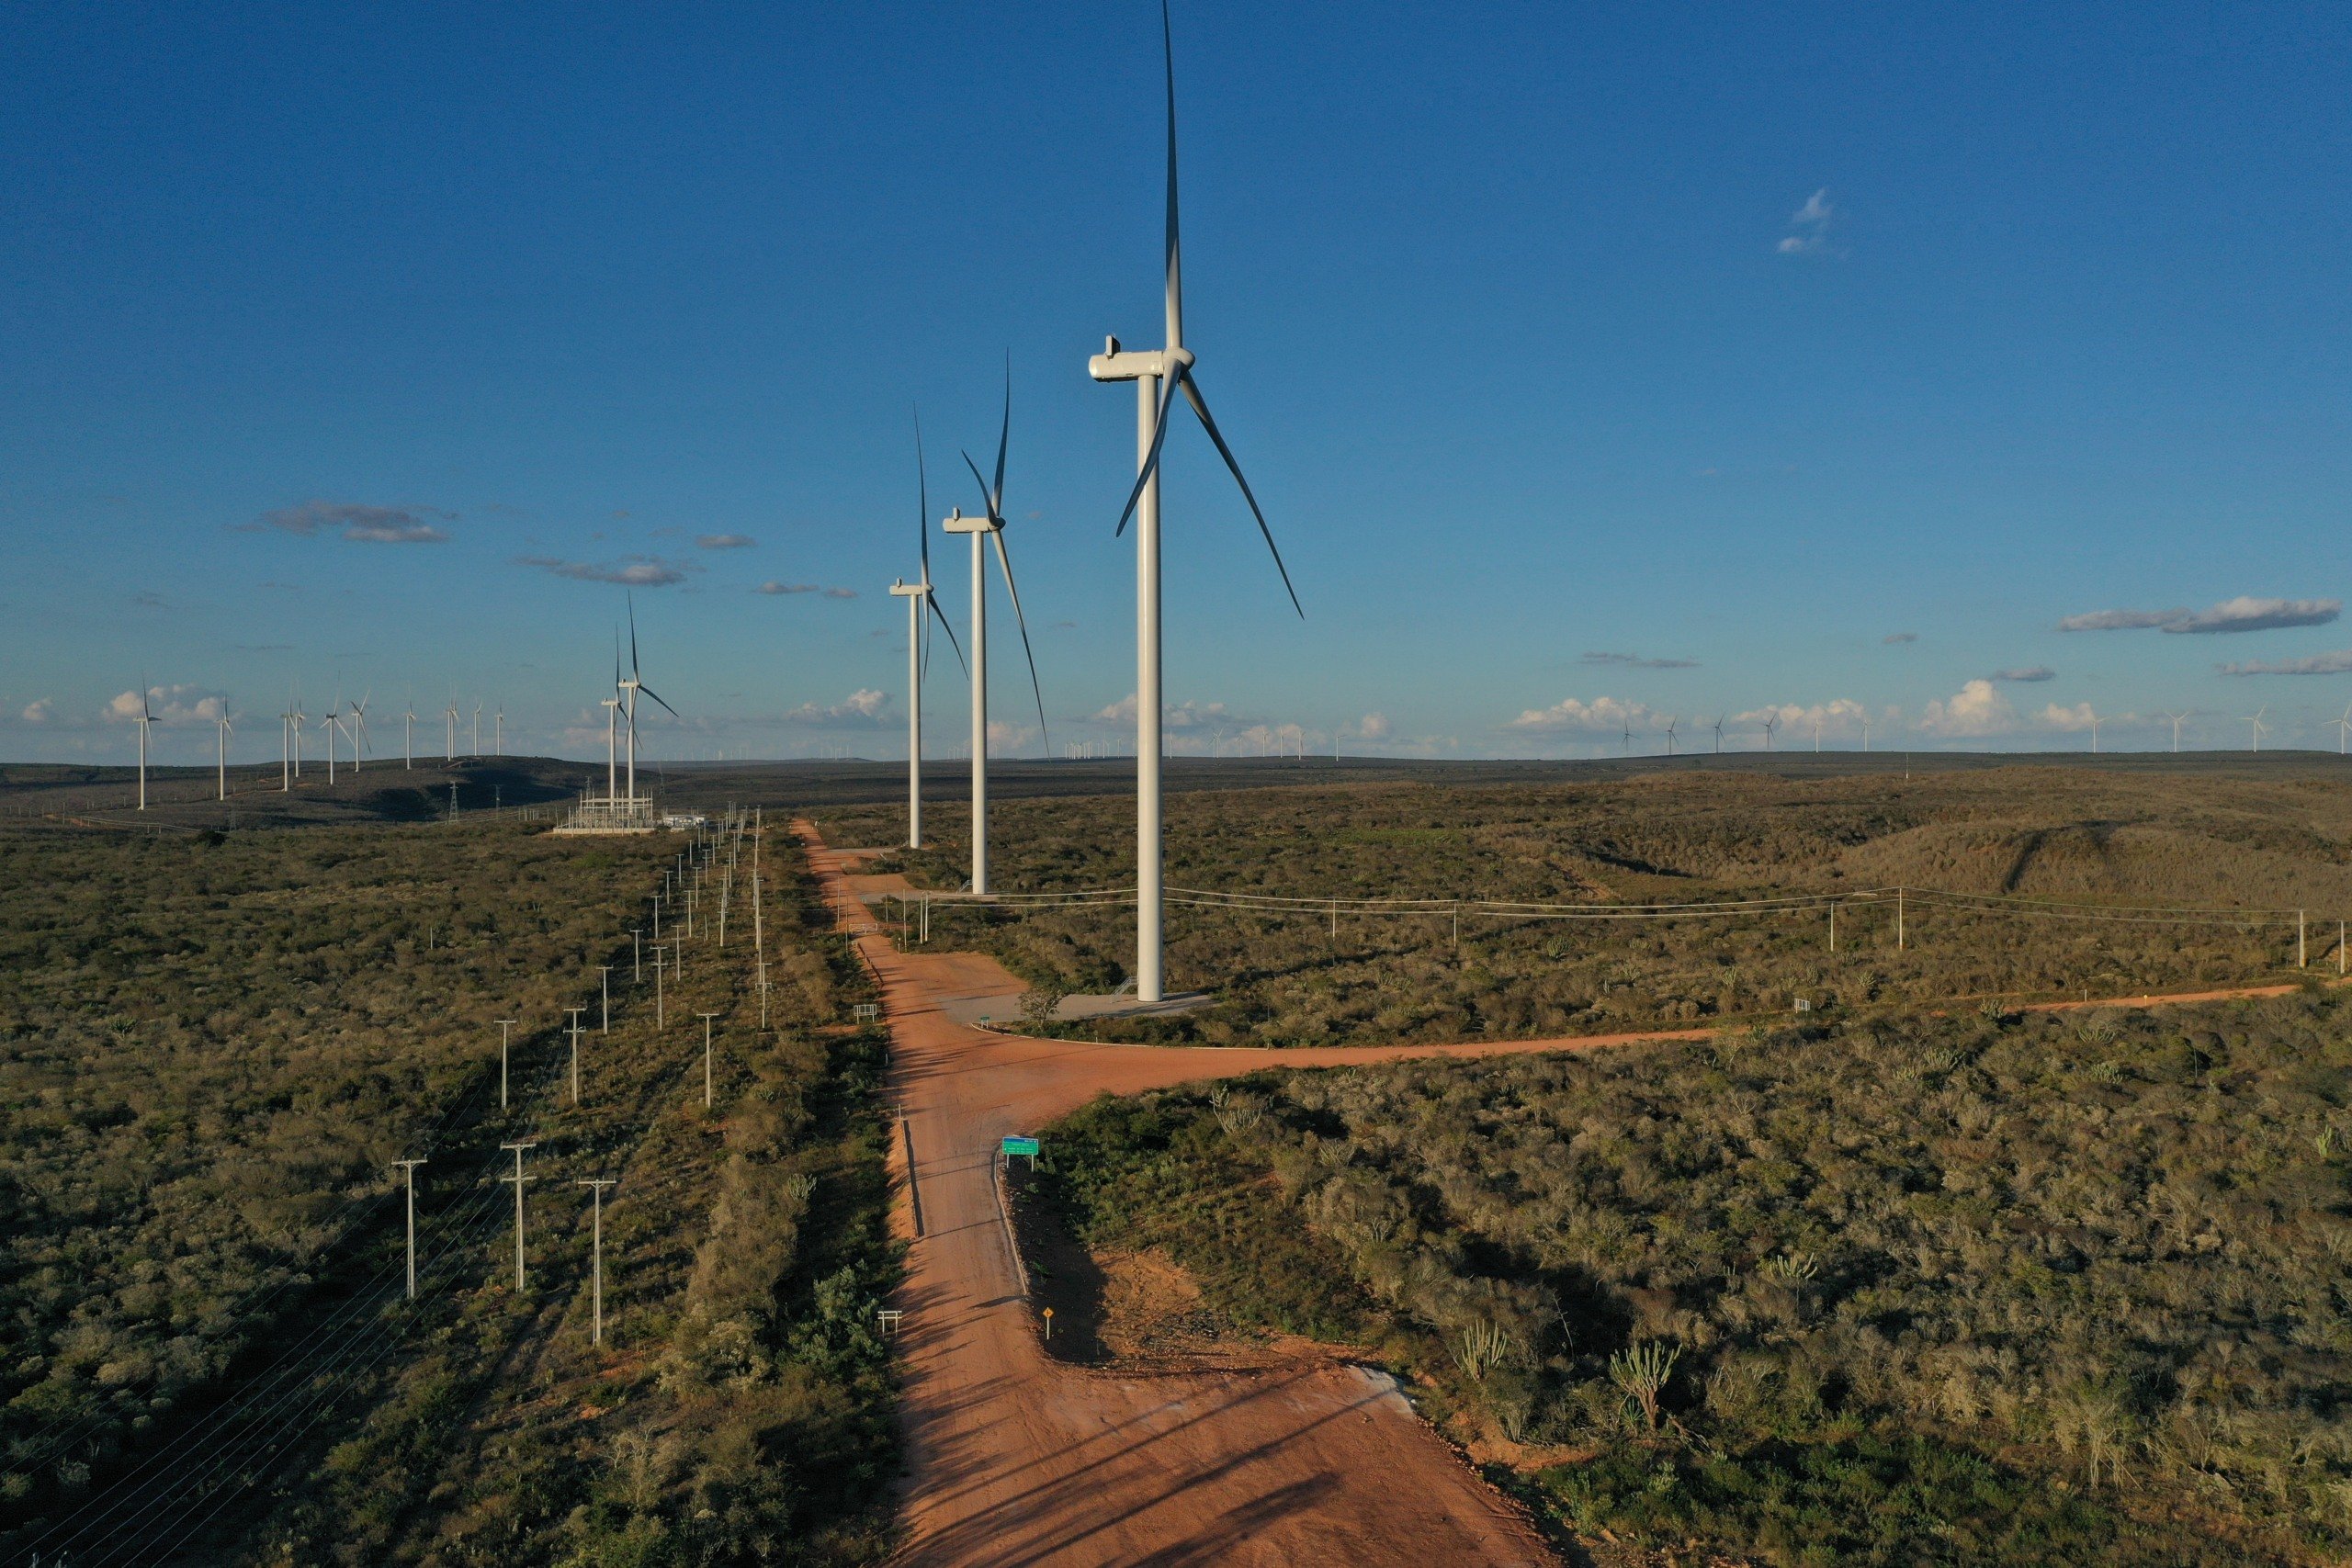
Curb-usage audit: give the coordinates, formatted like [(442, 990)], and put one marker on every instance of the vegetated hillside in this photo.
[(2271, 845), (210, 1049), (739, 1408), (1975, 1290)]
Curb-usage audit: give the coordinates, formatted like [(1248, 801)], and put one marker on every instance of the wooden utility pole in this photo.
[(503, 1024), (576, 1033), (605, 970), (408, 1172), (596, 1250), (705, 1018), (519, 1178)]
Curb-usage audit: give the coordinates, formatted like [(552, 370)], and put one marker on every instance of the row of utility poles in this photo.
[(683, 897)]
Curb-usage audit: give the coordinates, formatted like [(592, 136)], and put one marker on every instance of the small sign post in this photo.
[(1049, 1322), (1012, 1147)]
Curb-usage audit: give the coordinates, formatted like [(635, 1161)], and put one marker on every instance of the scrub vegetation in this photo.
[(214, 1045), (1989, 1288), (2268, 843)]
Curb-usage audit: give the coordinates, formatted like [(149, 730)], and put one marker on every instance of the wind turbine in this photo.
[(355, 731), (2255, 720), (146, 717), (2343, 729), (921, 604), (1158, 374), (2177, 717), (1817, 732), (449, 733), (992, 527), (288, 738), (225, 727), (477, 740), (2093, 712), (1670, 722), (1771, 723), (1866, 729), (408, 734), (498, 732), (331, 723), (1628, 722), (297, 718), (1719, 733), (630, 687)]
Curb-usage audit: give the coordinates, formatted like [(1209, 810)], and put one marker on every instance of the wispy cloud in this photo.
[(1370, 727), (1635, 662), (2029, 674), (1809, 227), (359, 523), (2242, 614), (39, 711), (2335, 664), (725, 541), (1893, 638), (630, 572), (170, 705), (773, 588)]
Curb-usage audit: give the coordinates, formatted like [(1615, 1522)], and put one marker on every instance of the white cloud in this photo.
[(1186, 715), (2076, 718), (170, 705), (2242, 614), (1006, 739), (1840, 716), (1635, 662), (38, 712), (2335, 664), (1604, 715), (2034, 672), (725, 541), (1809, 227), (863, 707), (1373, 727), (1978, 708)]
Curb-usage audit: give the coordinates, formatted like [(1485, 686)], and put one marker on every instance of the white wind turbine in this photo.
[(630, 687), (1866, 729), (1670, 722), (331, 723), (2344, 729), (992, 525), (1628, 722), (498, 732), (2093, 712), (1158, 374), (297, 718), (288, 736), (922, 603), (2176, 718), (612, 706), (2256, 720), (146, 717), (356, 728), (477, 740), (223, 756), (1719, 733), (408, 734), (1816, 731), (449, 732), (1771, 723)]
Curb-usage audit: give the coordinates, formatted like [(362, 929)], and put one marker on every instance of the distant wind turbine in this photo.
[(408, 734), (630, 686), (1628, 722), (1159, 375), (2176, 718), (1771, 723), (476, 749), (1817, 732), (449, 732), (922, 604), (1670, 723), (356, 728), (990, 525), (223, 756), (146, 717), (1719, 732), (2256, 720), (2093, 712), (2343, 729), (331, 723), (498, 745), (1866, 729), (288, 736)]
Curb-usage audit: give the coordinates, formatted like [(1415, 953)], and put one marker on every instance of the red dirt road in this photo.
[(1014, 1458)]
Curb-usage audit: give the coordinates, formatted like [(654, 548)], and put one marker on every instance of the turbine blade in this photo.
[(656, 696), (1005, 562), (922, 499), (933, 600), (632, 634), (1175, 279), (987, 499), (1200, 407), (1150, 458), (1003, 435)]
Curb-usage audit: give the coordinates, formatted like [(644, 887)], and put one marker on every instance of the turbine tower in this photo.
[(449, 732), (2093, 712), (477, 740), (498, 732), (1771, 723), (922, 603), (330, 723), (355, 729), (2344, 729), (1670, 722), (1158, 375), (2177, 717), (992, 525), (2256, 720), (408, 735), (223, 755), (1719, 733)]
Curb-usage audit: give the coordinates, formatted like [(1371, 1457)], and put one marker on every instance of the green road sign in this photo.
[(1021, 1146)]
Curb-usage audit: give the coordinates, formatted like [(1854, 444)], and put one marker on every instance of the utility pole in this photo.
[(1898, 919), (637, 955), (575, 1013), (759, 938), (705, 1018), (606, 971), (503, 1024), (519, 1178), (596, 1289), (408, 1172), (657, 914), (660, 1017)]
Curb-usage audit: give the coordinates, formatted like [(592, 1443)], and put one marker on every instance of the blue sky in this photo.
[(1807, 355)]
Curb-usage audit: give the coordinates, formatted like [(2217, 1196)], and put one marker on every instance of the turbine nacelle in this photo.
[(1114, 363), (956, 522)]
